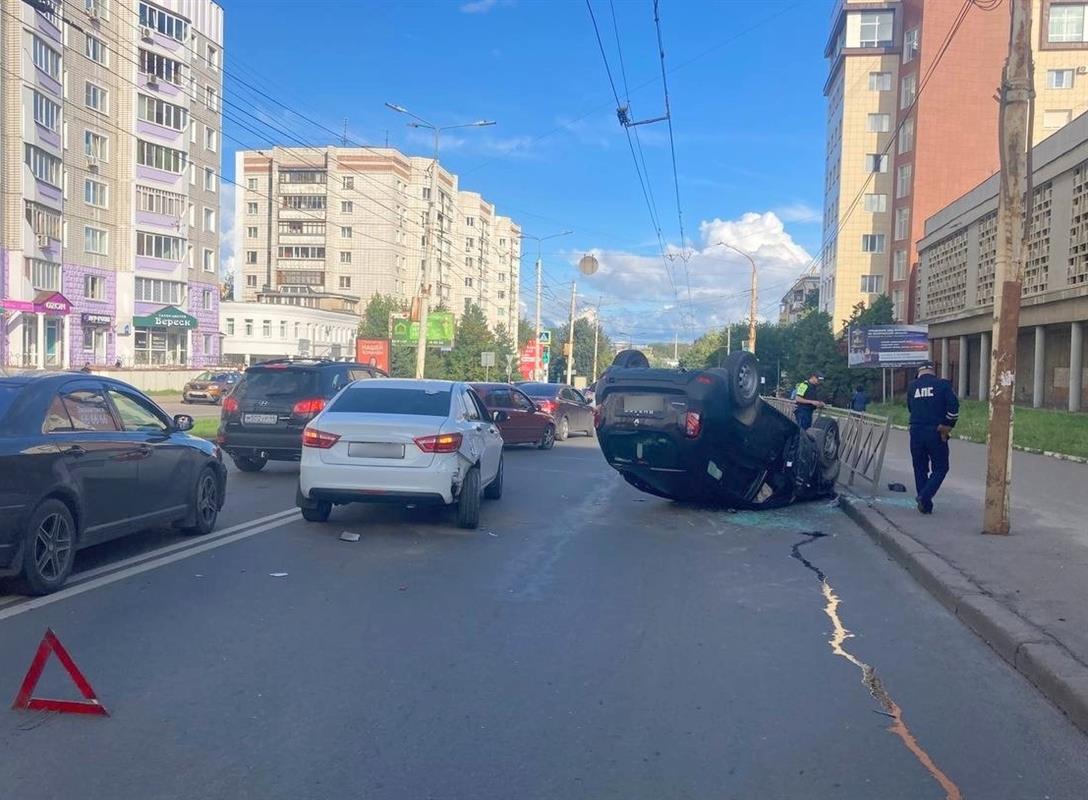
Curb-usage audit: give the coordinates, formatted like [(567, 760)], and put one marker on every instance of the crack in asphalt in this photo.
[(869, 677)]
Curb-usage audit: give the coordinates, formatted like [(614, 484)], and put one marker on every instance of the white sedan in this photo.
[(401, 441)]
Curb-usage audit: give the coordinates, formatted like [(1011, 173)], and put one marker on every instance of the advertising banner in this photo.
[(881, 346), (374, 352), (439, 329)]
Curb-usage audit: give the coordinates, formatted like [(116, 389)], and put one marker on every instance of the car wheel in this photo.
[(494, 489), (828, 441), (185, 400), (564, 430), (547, 441), (468, 502), (742, 370), (319, 512), (206, 502), (49, 549), (248, 464)]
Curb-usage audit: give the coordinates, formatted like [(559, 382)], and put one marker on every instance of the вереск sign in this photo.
[(168, 317)]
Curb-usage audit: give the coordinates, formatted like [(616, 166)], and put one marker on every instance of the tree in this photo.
[(375, 321), (583, 351), (226, 291), (526, 332), (703, 351), (472, 337), (880, 312), (812, 348), (504, 348)]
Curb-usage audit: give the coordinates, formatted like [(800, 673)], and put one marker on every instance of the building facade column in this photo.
[(984, 356), (944, 358), (961, 383), (65, 342), (39, 320), (1076, 364), (1038, 374)]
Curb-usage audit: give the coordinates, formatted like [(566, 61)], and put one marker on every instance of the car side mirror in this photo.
[(500, 416), (183, 422)]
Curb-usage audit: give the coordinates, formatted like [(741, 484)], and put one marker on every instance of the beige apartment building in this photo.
[(110, 142), (900, 147), (349, 222)]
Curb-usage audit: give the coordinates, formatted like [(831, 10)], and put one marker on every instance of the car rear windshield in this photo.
[(372, 400), (8, 393), (539, 389), (271, 382)]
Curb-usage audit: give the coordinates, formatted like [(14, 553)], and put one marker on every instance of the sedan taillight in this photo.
[(548, 406), (312, 437), (442, 443), (308, 407), (693, 424)]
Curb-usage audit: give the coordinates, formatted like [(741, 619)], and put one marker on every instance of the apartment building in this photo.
[(109, 158), (798, 300), (351, 222), (260, 331), (956, 280), (897, 153)]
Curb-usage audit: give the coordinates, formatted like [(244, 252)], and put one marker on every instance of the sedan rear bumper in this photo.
[(437, 483)]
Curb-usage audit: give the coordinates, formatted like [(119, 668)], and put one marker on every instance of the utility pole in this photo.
[(675, 347), (1017, 93), (596, 338), (570, 339), (728, 339), (538, 367), (755, 296)]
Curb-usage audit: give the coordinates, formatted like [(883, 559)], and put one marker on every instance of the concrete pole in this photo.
[(961, 389), (428, 266), (1038, 385), (41, 340), (1017, 89), (538, 365), (570, 339), (984, 355), (1076, 365), (944, 358)]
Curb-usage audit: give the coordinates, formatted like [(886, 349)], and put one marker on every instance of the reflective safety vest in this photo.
[(800, 390)]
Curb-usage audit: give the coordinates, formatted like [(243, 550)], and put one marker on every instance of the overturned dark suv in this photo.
[(705, 436)]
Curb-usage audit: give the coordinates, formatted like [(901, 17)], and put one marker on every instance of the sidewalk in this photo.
[(1026, 594)]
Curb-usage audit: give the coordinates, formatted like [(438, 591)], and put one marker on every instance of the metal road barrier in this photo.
[(863, 438)]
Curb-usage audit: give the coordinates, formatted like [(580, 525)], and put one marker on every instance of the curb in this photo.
[(1020, 447), (1036, 655)]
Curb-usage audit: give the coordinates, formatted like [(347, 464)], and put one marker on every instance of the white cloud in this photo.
[(482, 6), (639, 299), (226, 229), (798, 212)]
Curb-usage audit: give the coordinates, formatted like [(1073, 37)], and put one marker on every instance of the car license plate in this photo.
[(648, 404), (259, 419), (375, 450)]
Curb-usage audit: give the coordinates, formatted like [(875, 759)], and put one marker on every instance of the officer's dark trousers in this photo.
[(803, 415), (930, 456)]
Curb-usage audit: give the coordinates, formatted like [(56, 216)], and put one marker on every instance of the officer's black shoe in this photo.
[(923, 506)]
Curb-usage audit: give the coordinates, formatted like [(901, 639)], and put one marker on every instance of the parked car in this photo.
[(263, 418), (571, 411), (401, 441), (706, 436), (210, 387), (85, 459), (518, 418)]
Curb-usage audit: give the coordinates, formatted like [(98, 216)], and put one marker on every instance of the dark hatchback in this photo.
[(85, 459), (571, 411), (263, 418)]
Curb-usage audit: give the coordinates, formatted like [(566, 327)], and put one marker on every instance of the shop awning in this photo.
[(167, 317), (54, 304)]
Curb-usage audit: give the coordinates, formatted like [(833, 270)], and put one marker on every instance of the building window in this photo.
[(209, 179), (304, 202), (345, 233), (94, 287), (908, 90), (470, 221), (349, 182), (211, 138), (211, 98), (157, 245), (872, 284), (899, 265), (46, 58), (283, 329), (251, 232), (898, 305), (880, 123), (230, 326), (95, 193), (876, 162), (501, 294), (1059, 79), (345, 257), (208, 259), (162, 113), (251, 208), (299, 251), (266, 329), (249, 327), (346, 206), (160, 157), (251, 281), (206, 300), (872, 243), (426, 192), (906, 136), (160, 201), (468, 283), (209, 220), (96, 146), (251, 256), (97, 98), (95, 240), (876, 203), (212, 57), (345, 281), (910, 45), (167, 69), (902, 223), (45, 166), (1052, 120), (876, 29), (251, 183), (1066, 23), (164, 22), (299, 228), (44, 221), (46, 112), (902, 180), (43, 275)]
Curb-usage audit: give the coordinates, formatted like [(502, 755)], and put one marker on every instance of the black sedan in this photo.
[(571, 411), (85, 459)]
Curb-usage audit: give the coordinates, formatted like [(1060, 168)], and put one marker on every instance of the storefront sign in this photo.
[(168, 317), (96, 319), (52, 304)]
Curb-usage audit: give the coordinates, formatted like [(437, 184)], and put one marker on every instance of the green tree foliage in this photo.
[(506, 361), (526, 332), (375, 321), (583, 351), (471, 337), (881, 312)]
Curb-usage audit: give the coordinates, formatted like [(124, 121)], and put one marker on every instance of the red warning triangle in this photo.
[(50, 644)]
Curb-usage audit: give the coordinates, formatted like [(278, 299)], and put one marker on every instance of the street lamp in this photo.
[(752, 311), (421, 346), (539, 270)]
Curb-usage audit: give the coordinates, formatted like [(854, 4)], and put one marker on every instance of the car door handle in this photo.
[(75, 451)]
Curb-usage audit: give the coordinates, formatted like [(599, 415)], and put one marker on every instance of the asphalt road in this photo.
[(173, 405), (587, 642)]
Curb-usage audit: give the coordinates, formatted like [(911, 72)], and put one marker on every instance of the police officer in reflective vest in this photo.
[(805, 397), (934, 410)]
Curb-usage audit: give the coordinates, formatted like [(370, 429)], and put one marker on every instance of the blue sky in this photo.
[(745, 86)]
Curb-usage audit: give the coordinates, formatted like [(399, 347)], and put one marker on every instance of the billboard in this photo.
[(882, 346), (439, 329), (374, 352)]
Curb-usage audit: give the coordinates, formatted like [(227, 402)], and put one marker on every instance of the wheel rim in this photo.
[(746, 380), (549, 436), (52, 546), (831, 444), (566, 427), (207, 499)]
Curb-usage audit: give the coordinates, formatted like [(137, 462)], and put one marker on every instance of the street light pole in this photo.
[(431, 252), (538, 364), (755, 296), (570, 339)]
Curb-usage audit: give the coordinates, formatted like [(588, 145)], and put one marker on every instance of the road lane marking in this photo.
[(146, 566)]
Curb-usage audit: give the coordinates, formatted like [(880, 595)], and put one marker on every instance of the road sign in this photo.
[(545, 337), (487, 359), (90, 703), (546, 358)]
